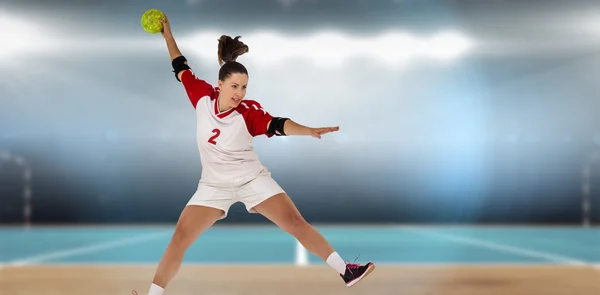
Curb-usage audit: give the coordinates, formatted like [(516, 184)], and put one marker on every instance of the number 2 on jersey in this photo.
[(217, 132)]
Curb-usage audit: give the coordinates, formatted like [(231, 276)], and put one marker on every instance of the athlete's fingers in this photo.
[(327, 130)]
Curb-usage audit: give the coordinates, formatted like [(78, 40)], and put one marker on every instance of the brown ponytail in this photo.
[(228, 51)]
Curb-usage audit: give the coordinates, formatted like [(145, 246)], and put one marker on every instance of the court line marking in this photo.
[(301, 255), (499, 247), (32, 260)]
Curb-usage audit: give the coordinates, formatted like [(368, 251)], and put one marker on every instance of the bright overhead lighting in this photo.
[(21, 37), (333, 48)]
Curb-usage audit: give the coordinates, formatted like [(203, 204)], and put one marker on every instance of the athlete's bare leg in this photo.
[(193, 221), (282, 211)]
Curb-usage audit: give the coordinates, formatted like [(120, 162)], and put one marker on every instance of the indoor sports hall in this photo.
[(467, 159)]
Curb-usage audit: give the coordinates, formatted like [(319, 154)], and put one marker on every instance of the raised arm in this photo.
[(172, 47), (195, 88)]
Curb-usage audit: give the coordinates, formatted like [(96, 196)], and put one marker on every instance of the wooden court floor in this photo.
[(291, 280)]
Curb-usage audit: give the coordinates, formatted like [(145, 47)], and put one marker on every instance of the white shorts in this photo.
[(251, 193)]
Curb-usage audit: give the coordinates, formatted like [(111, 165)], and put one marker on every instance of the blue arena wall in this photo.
[(150, 182)]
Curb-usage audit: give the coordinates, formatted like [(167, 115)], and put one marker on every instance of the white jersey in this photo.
[(225, 138)]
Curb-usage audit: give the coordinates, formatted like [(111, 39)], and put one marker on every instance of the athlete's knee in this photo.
[(296, 224), (183, 237)]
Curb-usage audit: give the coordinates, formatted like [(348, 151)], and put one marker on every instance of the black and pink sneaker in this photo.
[(356, 272)]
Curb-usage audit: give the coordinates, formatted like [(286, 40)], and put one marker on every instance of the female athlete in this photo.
[(231, 170)]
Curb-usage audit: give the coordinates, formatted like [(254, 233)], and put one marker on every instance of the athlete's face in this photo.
[(233, 89)]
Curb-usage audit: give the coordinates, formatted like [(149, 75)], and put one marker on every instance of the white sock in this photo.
[(155, 290), (334, 260)]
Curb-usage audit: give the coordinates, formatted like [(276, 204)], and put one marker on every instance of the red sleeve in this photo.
[(194, 87), (256, 117)]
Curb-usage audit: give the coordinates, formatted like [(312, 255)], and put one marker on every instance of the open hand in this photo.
[(317, 132)]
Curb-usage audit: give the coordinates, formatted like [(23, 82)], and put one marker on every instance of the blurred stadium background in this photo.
[(455, 112)]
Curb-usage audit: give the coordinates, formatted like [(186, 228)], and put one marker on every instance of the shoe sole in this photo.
[(353, 282)]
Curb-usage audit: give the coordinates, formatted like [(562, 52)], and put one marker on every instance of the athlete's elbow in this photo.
[(277, 125)]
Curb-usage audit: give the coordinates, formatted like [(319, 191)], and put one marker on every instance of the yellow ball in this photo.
[(151, 21)]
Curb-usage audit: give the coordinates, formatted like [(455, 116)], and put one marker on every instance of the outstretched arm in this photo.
[(292, 128), (260, 122)]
